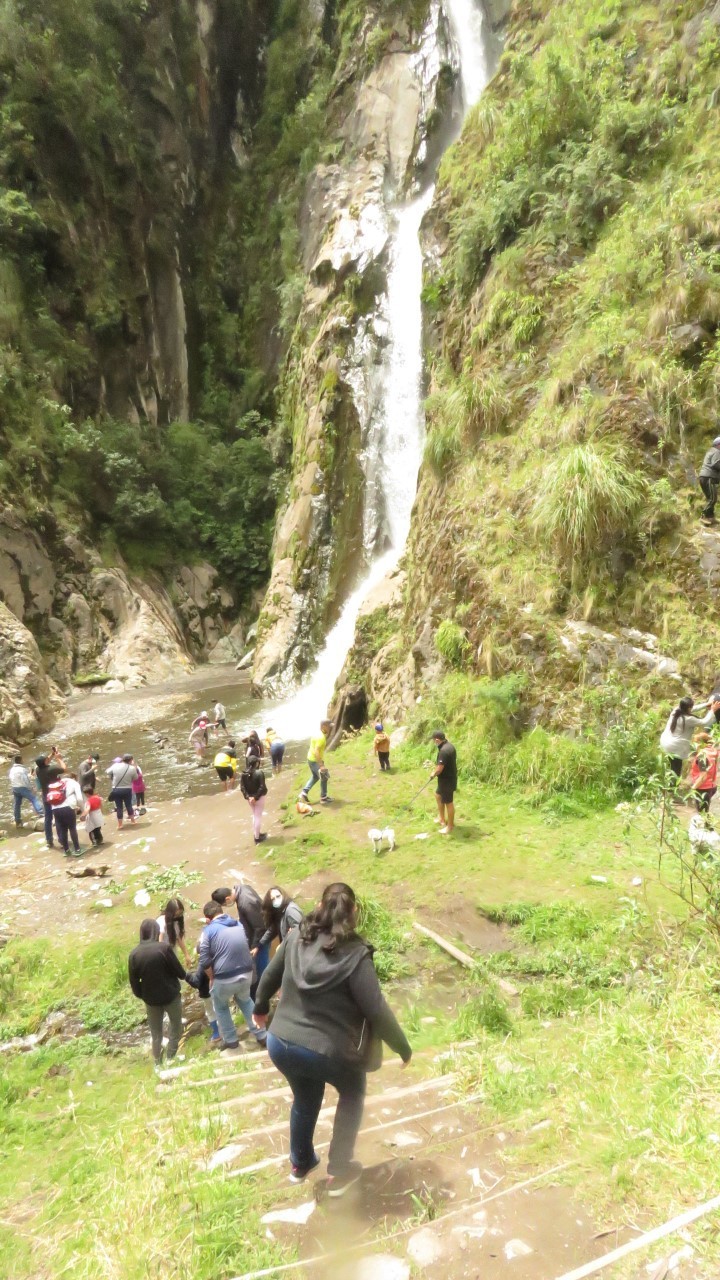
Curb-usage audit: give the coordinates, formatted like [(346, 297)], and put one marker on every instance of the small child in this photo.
[(138, 790), (93, 815), (382, 747)]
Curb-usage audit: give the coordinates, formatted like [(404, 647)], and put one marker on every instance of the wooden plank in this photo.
[(641, 1242), (461, 956)]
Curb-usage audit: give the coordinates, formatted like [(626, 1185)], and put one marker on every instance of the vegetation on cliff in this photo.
[(576, 351)]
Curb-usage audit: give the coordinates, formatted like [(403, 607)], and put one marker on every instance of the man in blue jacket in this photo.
[(225, 957)]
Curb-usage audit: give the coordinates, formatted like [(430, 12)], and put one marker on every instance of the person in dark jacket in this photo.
[(281, 915), (47, 769), (330, 1013), (250, 914), (155, 972), (254, 789), (225, 957), (709, 479)]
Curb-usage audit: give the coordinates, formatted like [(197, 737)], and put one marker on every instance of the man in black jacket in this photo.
[(155, 972), (249, 908), (709, 479)]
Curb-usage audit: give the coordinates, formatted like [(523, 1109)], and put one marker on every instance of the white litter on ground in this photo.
[(380, 1266), (142, 899), (404, 1140), (424, 835), (225, 1155), (599, 879), (425, 1247), (516, 1249), (298, 1215)]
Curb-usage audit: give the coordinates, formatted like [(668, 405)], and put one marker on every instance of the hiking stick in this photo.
[(424, 785)]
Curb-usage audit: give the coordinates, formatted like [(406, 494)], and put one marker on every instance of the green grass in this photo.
[(607, 1046)]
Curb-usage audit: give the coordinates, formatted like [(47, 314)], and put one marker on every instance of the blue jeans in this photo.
[(316, 776), (222, 993), (307, 1073), (48, 823), (24, 793)]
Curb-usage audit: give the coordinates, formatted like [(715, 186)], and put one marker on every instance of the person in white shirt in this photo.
[(220, 716), (66, 800), (676, 737), (22, 789)]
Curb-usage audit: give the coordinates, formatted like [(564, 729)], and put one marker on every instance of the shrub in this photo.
[(588, 496), (485, 1012), (485, 719), (451, 643)]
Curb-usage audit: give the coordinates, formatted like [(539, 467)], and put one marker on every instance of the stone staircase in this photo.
[(443, 1193)]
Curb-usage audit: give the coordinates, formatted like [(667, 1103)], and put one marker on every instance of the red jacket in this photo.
[(703, 769)]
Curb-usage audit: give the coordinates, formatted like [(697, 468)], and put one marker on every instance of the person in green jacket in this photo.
[(327, 1029)]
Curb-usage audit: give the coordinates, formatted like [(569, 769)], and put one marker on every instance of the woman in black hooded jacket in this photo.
[(327, 1029)]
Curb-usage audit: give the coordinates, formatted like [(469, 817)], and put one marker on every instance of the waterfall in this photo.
[(395, 442)]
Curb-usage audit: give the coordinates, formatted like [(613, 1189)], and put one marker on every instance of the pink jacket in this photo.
[(138, 784)]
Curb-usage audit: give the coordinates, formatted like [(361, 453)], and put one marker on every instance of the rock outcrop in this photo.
[(66, 616), (391, 119), (29, 702)]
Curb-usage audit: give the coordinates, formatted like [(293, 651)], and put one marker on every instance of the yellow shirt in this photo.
[(224, 761), (317, 749)]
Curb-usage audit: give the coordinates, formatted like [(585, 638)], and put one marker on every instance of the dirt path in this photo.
[(212, 834)]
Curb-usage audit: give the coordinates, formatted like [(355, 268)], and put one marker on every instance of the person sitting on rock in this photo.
[(709, 479)]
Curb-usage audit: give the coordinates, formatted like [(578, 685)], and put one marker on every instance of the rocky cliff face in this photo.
[(387, 131), (66, 617), (123, 126)]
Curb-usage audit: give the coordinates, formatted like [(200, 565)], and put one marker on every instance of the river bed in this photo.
[(153, 724)]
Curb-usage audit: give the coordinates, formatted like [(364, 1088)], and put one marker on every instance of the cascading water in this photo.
[(394, 443)]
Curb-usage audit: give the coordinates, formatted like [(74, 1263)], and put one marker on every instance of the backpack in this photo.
[(57, 792)]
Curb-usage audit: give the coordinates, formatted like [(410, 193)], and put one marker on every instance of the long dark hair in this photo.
[(273, 915), (174, 921), (255, 743), (335, 916), (149, 931), (683, 709)]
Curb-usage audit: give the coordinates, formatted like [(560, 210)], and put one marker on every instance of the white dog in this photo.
[(377, 836), (702, 835)]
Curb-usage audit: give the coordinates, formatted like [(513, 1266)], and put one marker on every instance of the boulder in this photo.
[(224, 651), (246, 661), (599, 650), (29, 702), (27, 574)]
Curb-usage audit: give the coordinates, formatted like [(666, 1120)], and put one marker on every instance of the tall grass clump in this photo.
[(452, 643), (488, 722), (588, 497)]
